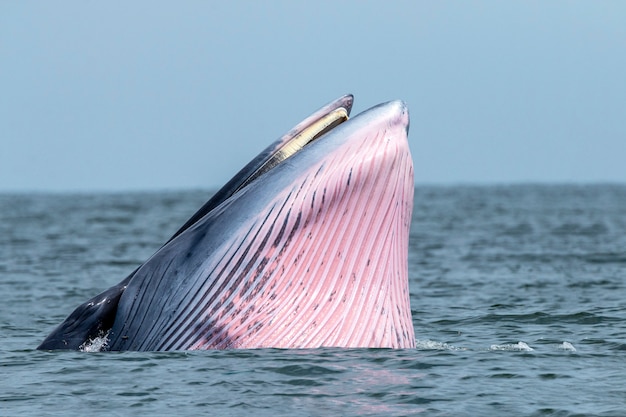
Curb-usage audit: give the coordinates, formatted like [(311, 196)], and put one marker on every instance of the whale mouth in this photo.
[(319, 127), (318, 124)]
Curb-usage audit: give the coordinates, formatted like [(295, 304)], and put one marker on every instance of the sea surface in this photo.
[(518, 296)]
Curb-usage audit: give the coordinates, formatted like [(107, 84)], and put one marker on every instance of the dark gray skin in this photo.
[(95, 317)]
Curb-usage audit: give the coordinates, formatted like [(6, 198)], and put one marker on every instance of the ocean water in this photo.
[(518, 296)]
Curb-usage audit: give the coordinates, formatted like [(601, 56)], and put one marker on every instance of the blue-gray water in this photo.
[(494, 271)]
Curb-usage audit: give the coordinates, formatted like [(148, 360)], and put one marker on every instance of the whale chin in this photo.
[(305, 247)]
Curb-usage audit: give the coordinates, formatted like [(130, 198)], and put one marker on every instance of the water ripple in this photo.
[(507, 267)]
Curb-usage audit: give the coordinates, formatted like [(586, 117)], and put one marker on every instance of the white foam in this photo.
[(433, 345), (567, 346), (96, 344), (519, 346)]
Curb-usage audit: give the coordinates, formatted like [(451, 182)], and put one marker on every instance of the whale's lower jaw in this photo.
[(319, 261), (348, 289)]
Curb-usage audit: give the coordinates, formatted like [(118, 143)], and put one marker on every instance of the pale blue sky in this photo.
[(178, 95)]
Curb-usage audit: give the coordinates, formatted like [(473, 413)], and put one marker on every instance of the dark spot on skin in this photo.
[(295, 227), (368, 262), (221, 339), (245, 287), (244, 318), (349, 177), (281, 232), (262, 264), (247, 313), (259, 285)]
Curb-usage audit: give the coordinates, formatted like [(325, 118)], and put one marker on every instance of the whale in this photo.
[(305, 247)]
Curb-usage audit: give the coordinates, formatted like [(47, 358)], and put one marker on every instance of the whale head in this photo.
[(305, 247)]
